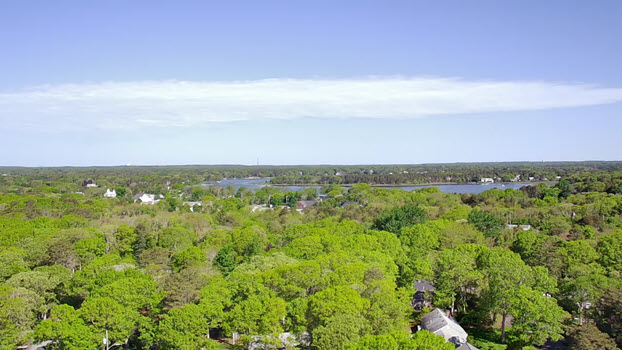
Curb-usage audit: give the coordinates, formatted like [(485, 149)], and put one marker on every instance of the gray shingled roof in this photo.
[(438, 323), (424, 286), (466, 346)]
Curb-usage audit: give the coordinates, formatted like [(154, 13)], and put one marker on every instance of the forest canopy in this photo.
[(211, 267)]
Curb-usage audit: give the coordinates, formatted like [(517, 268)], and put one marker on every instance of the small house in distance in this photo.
[(89, 184), (305, 204), (146, 198), (421, 299), (348, 203), (110, 194), (192, 204), (487, 180), (522, 227)]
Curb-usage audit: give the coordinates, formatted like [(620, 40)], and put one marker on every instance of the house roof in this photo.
[(306, 203), (466, 346), (345, 204), (438, 323), (424, 286)]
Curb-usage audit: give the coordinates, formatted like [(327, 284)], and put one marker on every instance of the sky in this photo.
[(308, 82)]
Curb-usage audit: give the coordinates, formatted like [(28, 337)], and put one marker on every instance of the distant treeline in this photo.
[(159, 179)]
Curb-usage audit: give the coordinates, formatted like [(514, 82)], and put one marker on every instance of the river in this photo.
[(255, 184)]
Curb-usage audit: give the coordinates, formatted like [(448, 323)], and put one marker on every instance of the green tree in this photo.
[(486, 222), (185, 328), (339, 331), (17, 316), (536, 318), (258, 314), (333, 301), (124, 240), (66, 330), (188, 257), (422, 340), (395, 219), (457, 276), (608, 314), (589, 337), (610, 248), (106, 315)]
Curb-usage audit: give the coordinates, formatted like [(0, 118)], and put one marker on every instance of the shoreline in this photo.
[(408, 185)]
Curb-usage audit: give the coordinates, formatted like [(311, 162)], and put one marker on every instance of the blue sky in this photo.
[(295, 82)]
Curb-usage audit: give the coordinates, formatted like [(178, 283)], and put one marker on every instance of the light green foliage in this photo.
[(536, 318), (215, 297), (159, 277), (66, 330), (258, 314), (185, 328), (103, 313), (389, 307), (137, 292), (175, 238), (11, 262), (248, 241), (339, 331), (422, 340), (419, 240), (188, 257), (333, 301), (457, 276), (610, 250), (18, 310), (41, 283), (124, 240), (459, 213), (88, 249)]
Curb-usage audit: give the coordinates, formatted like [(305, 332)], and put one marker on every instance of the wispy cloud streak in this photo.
[(148, 104)]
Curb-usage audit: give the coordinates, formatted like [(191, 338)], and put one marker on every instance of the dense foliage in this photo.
[(77, 266)]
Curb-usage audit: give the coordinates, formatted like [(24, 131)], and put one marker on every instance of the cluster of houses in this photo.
[(437, 321), (516, 178)]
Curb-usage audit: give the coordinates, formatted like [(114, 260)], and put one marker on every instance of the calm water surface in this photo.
[(255, 184)]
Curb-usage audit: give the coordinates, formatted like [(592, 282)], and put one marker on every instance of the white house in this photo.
[(487, 179), (192, 204), (91, 185), (522, 227), (146, 198), (438, 323), (110, 194)]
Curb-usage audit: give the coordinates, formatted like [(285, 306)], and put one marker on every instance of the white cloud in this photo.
[(133, 105)]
